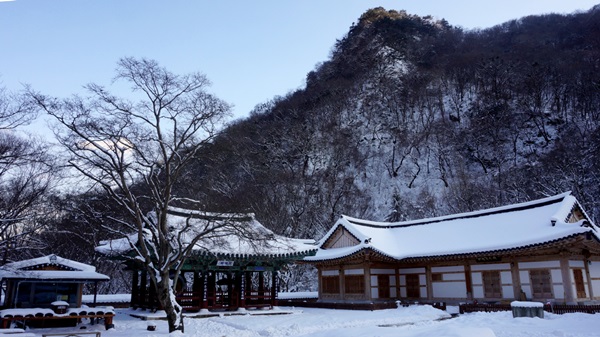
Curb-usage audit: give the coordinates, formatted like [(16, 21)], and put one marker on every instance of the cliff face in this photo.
[(411, 117)]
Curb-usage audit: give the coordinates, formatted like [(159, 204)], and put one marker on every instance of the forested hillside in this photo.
[(412, 117), (409, 118)]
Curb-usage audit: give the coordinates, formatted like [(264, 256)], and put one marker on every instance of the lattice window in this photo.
[(579, 285), (413, 286), (541, 283), (355, 284), (330, 284), (383, 282), (492, 287)]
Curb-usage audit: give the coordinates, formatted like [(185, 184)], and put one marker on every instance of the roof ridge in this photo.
[(466, 215)]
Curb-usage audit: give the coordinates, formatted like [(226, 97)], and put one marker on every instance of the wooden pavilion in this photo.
[(47, 291), (236, 271)]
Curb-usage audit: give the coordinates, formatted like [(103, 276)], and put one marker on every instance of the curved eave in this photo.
[(299, 255), (380, 255)]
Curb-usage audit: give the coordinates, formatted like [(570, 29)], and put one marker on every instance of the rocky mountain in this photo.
[(412, 117)]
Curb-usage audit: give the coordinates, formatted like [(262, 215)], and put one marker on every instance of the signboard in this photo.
[(224, 263)]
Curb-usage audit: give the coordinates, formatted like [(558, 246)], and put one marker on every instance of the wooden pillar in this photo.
[(197, 289), (590, 289), (468, 281), (342, 283), (211, 283), (261, 287), (248, 286), (274, 287), (230, 290), (516, 280), (204, 301), (242, 291), (429, 280), (566, 280), (367, 280)]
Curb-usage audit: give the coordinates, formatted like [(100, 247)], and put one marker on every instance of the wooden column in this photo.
[(205, 289), (429, 280), (231, 296), (274, 287), (248, 286), (211, 288), (516, 280), (197, 289), (468, 281), (242, 290), (367, 280), (566, 280), (342, 283), (590, 289), (261, 287)]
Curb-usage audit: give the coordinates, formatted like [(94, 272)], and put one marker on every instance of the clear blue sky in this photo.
[(250, 50)]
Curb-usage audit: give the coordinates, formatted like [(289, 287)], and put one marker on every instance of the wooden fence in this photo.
[(553, 308)]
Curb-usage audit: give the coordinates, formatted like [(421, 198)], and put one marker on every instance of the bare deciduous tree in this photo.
[(25, 177), (136, 152)]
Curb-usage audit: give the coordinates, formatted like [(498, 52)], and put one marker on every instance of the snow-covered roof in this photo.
[(233, 235), (51, 267), (496, 229)]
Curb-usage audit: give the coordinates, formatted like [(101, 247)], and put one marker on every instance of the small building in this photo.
[(46, 289), (543, 250), (228, 268)]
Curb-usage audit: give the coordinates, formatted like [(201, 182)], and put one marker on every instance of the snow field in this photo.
[(415, 321)]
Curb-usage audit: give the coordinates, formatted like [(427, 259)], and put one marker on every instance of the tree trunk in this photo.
[(166, 296)]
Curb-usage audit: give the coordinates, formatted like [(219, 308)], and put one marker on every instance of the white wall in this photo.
[(453, 284)]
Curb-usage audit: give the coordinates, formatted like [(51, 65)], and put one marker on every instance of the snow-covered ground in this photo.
[(415, 321)]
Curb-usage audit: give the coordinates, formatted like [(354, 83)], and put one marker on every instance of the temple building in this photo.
[(545, 250)]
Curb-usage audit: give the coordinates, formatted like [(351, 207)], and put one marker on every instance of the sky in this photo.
[(252, 51)]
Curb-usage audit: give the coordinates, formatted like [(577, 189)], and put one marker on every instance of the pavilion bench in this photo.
[(7, 320)]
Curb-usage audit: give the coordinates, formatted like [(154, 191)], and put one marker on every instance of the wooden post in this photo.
[(566, 280), (205, 289), (197, 289), (468, 281), (211, 288), (248, 286), (261, 287), (367, 281), (586, 263), (429, 280), (242, 291), (342, 283), (516, 280), (274, 288)]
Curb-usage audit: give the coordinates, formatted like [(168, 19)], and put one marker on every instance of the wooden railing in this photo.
[(553, 308)]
